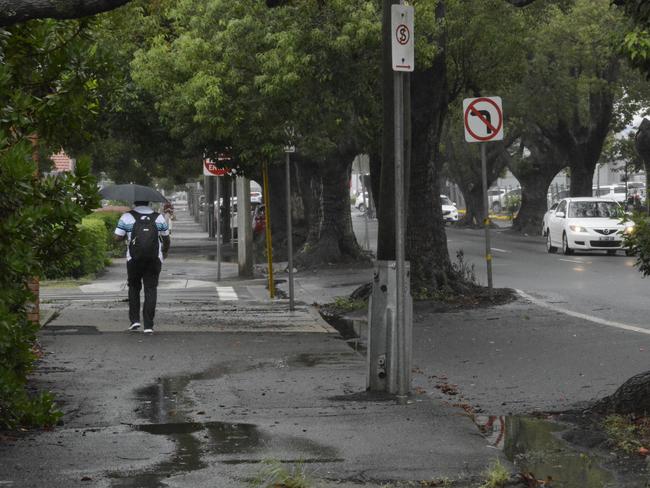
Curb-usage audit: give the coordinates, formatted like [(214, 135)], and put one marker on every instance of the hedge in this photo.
[(89, 252), (93, 248), (115, 249)]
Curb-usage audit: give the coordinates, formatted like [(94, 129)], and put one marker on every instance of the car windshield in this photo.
[(594, 210), (445, 201)]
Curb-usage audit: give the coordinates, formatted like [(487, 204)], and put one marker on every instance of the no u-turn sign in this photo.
[(483, 119)]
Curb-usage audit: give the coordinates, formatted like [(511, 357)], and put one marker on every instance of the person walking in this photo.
[(148, 243)]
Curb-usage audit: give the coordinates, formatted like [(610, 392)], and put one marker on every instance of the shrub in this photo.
[(88, 253), (638, 242), (39, 224), (115, 249)]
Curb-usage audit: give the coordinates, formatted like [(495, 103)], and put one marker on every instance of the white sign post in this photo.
[(483, 121), (402, 46), (403, 57)]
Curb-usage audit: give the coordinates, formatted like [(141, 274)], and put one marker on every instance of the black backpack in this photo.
[(144, 236)]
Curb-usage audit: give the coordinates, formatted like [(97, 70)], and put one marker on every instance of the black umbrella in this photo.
[(131, 193)]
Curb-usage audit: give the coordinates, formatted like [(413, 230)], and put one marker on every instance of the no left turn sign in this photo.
[(483, 119)]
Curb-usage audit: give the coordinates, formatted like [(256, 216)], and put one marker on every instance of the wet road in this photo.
[(604, 289)]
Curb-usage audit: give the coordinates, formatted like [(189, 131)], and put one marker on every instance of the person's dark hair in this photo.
[(141, 203)]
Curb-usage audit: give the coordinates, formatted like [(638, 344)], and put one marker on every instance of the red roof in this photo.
[(62, 162)]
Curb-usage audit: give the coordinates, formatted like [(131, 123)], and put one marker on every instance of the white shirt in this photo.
[(125, 226)]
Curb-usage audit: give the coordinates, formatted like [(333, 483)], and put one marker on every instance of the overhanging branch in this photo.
[(15, 11)]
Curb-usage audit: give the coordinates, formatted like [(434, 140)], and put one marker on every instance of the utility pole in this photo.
[(390, 311)]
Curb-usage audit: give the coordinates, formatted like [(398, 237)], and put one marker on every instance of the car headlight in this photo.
[(577, 228), (628, 229)]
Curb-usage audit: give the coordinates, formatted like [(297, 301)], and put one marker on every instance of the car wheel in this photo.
[(361, 207), (611, 252), (565, 246), (550, 248), (629, 253)]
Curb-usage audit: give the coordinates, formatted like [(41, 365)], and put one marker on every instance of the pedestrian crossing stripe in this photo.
[(226, 293)]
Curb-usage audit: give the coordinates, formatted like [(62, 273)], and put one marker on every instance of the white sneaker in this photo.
[(148, 331), (134, 326)]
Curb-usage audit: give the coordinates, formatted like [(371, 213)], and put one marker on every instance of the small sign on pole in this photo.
[(403, 50)]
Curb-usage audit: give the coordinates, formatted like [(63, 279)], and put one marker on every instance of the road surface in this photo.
[(604, 289)]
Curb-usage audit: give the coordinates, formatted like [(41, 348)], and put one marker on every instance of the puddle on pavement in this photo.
[(165, 405), (534, 446)]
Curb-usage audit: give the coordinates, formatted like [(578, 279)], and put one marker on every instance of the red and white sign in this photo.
[(210, 168), (483, 119), (403, 50)]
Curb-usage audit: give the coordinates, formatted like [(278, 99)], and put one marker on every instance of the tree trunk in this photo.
[(582, 177), (336, 241), (375, 179), (426, 240), (534, 203), (473, 195), (311, 189), (226, 194), (278, 206), (386, 196), (632, 397), (464, 167)]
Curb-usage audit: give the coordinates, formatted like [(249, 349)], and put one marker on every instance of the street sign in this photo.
[(402, 37), (210, 168), (483, 119)]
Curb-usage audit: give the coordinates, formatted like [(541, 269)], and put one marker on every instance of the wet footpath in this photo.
[(230, 383)]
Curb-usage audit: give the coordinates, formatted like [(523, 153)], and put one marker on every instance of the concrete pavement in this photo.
[(229, 380)]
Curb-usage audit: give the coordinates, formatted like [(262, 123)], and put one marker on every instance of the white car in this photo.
[(547, 216), (587, 224), (449, 210)]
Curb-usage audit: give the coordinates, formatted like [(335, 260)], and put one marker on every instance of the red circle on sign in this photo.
[(497, 128), (403, 34)]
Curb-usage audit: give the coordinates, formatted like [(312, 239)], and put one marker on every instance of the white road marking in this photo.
[(500, 250), (571, 261), (226, 293), (590, 318)]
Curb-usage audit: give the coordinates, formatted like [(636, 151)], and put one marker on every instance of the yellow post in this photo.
[(267, 220)]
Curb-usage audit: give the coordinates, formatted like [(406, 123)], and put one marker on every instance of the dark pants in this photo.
[(139, 272)]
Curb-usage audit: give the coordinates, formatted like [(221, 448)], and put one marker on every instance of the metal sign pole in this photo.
[(403, 376), (289, 232), (210, 205), (218, 212), (486, 219), (366, 206), (267, 220)]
